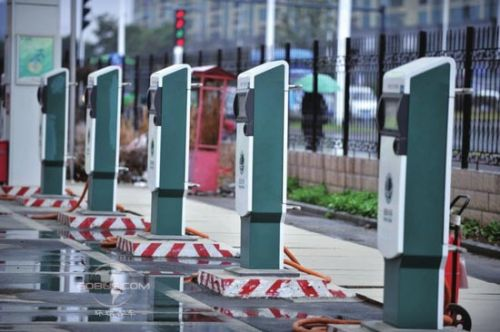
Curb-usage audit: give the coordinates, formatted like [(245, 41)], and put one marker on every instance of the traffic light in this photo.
[(85, 13), (180, 27)]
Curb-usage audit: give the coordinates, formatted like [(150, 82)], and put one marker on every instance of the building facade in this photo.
[(232, 23)]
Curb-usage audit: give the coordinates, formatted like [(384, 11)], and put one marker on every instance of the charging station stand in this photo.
[(415, 119), (168, 145), (261, 110), (53, 98), (102, 143)]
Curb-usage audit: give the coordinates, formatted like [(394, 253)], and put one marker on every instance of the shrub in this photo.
[(292, 184), (309, 194), (471, 228), (491, 232), (353, 202)]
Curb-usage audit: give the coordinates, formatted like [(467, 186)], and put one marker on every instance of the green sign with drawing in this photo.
[(35, 56)]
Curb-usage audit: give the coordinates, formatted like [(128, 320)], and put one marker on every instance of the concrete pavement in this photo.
[(357, 267), (354, 266), (350, 265)]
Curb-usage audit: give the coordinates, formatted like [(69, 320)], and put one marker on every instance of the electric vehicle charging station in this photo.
[(52, 96), (169, 101), (415, 119), (168, 145), (261, 110), (102, 142), (103, 98)]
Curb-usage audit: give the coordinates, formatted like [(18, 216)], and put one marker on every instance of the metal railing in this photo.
[(321, 127)]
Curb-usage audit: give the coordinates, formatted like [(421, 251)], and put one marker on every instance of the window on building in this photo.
[(471, 13), (394, 21), (262, 14), (366, 20), (422, 18), (366, 15), (396, 3), (436, 16), (422, 2)]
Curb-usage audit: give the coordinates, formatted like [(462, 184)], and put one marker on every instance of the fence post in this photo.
[(238, 60), (347, 113), (287, 53), (262, 54), (137, 91), (314, 142), (200, 58), (219, 57), (151, 64), (165, 59), (466, 118), (422, 43), (124, 79), (380, 77), (288, 59)]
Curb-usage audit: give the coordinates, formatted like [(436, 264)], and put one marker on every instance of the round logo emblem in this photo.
[(111, 286), (242, 163), (388, 187)]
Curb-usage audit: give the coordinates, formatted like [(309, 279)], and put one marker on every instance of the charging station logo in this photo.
[(242, 163), (388, 187)]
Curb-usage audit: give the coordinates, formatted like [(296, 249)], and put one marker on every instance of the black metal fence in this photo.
[(314, 121)]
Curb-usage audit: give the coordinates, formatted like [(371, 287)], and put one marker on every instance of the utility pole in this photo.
[(446, 22), (121, 28), (343, 32), (72, 92), (270, 29)]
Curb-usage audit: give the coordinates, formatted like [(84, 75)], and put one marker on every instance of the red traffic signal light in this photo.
[(179, 13), (180, 26)]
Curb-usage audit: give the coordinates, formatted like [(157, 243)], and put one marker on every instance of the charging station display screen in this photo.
[(242, 103), (391, 114)]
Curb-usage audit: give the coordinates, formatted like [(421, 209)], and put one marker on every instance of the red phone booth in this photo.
[(207, 118)]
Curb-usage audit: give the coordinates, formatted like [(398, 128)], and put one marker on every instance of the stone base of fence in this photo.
[(346, 173)]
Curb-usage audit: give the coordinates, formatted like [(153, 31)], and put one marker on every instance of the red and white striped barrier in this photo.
[(276, 313), (230, 285), (48, 202), (138, 246), (22, 191), (93, 235), (77, 220)]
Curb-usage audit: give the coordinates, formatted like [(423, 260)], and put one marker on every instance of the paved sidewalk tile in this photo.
[(350, 265)]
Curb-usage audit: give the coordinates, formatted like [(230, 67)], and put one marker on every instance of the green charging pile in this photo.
[(53, 99), (168, 104), (415, 118), (261, 111), (103, 99)]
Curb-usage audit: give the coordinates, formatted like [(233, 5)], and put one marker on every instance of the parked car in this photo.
[(362, 103), (487, 99)]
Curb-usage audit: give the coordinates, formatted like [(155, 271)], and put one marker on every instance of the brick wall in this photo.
[(342, 173)]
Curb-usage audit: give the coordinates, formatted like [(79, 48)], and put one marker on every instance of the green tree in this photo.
[(139, 40), (106, 33)]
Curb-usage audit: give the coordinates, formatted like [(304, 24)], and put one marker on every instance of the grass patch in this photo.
[(366, 204), (490, 233), (353, 202)]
